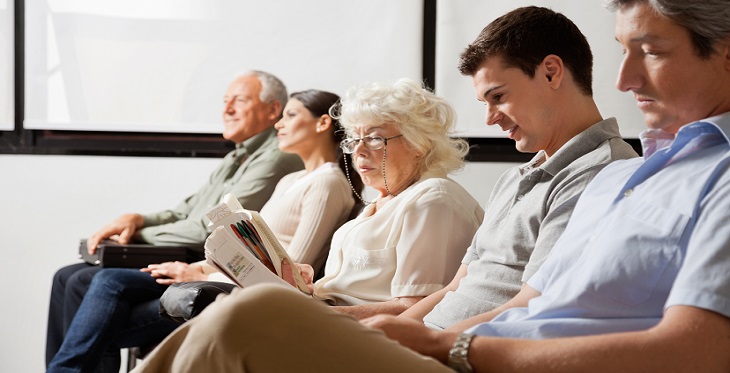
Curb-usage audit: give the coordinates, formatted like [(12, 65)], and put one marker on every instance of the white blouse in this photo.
[(412, 246)]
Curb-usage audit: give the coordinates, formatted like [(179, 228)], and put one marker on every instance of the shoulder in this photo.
[(436, 184), (291, 177), (441, 189), (328, 180), (613, 149), (593, 148), (590, 163), (278, 161)]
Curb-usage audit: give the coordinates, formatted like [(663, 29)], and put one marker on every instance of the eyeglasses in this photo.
[(370, 142)]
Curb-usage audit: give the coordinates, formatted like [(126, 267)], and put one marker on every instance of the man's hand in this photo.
[(123, 227), (414, 335), (307, 272), (172, 272)]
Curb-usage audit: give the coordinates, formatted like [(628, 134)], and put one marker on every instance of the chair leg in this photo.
[(131, 359)]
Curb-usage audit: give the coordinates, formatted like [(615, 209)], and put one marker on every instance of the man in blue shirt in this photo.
[(638, 281)]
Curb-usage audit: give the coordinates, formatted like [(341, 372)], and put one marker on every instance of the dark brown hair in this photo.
[(319, 103), (524, 37)]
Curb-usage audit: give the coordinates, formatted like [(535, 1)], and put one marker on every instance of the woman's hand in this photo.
[(305, 270), (171, 272)]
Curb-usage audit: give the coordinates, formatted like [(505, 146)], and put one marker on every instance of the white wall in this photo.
[(49, 202)]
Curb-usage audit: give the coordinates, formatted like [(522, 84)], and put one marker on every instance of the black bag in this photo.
[(110, 253), (184, 300)]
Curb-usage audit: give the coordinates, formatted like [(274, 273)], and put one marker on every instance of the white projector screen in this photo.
[(460, 21), (163, 65), (7, 83)]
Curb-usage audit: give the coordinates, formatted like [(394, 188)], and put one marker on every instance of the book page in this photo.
[(277, 252), (239, 233), (225, 252)]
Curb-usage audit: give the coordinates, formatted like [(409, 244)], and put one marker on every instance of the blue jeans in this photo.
[(121, 309)]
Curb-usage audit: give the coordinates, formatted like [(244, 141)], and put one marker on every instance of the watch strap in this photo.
[(458, 353)]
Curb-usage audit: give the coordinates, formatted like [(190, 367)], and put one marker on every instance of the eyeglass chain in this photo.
[(347, 173)]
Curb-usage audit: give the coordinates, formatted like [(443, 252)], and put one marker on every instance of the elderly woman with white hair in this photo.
[(409, 239), (406, 244)]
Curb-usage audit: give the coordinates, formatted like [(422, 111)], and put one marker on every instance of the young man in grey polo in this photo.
[(539, 91)]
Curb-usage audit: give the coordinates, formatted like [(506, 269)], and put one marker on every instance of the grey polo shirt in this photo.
[(526, 213), (250, 172)]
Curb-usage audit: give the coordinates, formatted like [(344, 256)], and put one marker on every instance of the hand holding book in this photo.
[(305, 270)]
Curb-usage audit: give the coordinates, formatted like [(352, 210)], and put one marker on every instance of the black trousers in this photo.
[(70, 284)]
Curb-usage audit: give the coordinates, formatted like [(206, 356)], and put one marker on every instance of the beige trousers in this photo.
[(271, 329)]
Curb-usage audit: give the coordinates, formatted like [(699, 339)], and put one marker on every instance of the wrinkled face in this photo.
[(244, 114), (400, 162), (297, 129), (671, 84), (518, 104)]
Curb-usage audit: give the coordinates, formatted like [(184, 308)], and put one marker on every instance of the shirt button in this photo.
[(628, 193)]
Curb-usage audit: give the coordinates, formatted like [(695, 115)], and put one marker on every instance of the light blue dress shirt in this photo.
[(646, 234)]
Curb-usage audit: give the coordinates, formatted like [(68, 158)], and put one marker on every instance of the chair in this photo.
[(181, 302), (134, 353)]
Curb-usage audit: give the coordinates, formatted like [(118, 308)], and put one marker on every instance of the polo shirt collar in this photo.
[(579, 145)]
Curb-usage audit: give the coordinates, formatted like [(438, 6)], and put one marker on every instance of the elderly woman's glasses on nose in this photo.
[(371, 143)]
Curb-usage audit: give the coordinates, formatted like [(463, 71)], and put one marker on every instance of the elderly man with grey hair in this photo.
[(81, 327)]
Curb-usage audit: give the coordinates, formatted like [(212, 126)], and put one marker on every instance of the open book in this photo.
[(243, 247)]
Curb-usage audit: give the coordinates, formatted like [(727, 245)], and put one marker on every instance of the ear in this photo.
[(324, 123), (275, 109), (725, 50), (552, 71)]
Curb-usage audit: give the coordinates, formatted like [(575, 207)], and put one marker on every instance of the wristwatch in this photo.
[(458, 354)]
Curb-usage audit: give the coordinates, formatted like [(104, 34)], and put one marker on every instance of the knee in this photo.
[(260, 305), (268, 297), (72, 280), (60, 278), (111, 278), (67, 274), (81, 278)]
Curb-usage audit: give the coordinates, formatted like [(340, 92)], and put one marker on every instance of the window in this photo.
[(7, 46), (163, 66)]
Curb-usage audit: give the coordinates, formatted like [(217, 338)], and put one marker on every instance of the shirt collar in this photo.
[(576, 147), (722, 122), (654, 139), (253, 144)]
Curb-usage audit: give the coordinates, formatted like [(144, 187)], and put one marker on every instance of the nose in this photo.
[(493, 115), (228, 107), (360, 148), (630, 76), (279, 124)]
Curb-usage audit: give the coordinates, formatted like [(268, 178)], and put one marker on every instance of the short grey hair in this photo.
[(272, 88), (708, 21), (425, 120)]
